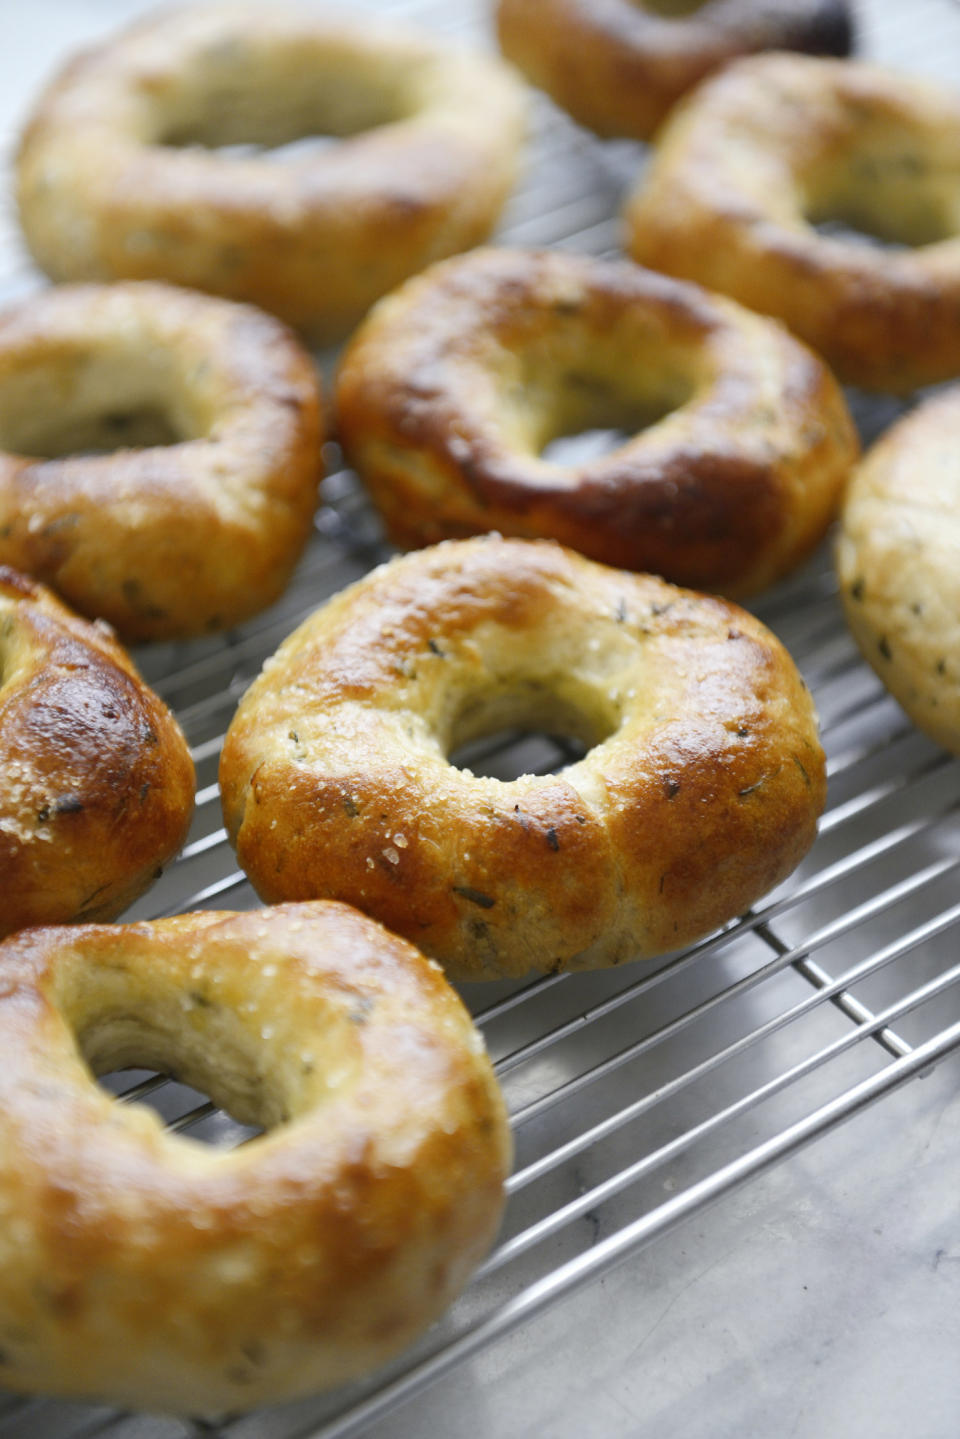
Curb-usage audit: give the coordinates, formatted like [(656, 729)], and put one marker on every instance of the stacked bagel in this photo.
[(161, 437)]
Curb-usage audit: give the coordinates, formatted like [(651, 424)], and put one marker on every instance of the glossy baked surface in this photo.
[(751, 164), (96, 781), (159, 454), (121, 172), (145, 1268), (730, 442), (897, 564), (700, 789)]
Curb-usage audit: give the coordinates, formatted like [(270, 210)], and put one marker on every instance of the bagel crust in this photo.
[(700, 791), (119, 175), (618, 66), (143, 1267), (198, 520), (451, 389), (897, 564), (96, 781), (762, 153)]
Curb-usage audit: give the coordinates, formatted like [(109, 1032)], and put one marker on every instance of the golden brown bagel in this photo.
[(701, 790), (198, 521), (452, 387), (96, 781), (758, 155), (618, 66), (897, 563), (143, 1267), (118, 175)]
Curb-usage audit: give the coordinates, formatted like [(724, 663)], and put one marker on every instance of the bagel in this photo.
[(96, 781), (143, 1267), (776, 144), (450, 390), (198, 520), (118, 175), (897, 564), (701, 790), (618, 66)]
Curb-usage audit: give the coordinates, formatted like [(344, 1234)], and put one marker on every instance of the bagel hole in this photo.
[(288, 151), (181, 1107), (526, 728), (856, 229), (61, 435), (224, 105), (507, 753), (581, 446), (93, 404), (590, 419), (885, 191), (190, 1059)]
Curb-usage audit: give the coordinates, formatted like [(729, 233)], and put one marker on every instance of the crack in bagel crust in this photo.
[(701, 791), (749, 164), (96, 780), (144, 1268), (619, 66), (117, 177), (168, 539), (449, 392)]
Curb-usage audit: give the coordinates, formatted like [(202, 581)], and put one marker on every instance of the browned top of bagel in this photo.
[(96, 781), (700, 789), (196, 521), (449, 392)]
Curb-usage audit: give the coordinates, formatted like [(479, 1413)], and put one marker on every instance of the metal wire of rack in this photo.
[(688, 1077)]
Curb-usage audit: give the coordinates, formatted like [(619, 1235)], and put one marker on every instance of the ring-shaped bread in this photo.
[(897, 564), (96, 780), (125, 170), (700, 790), (451, 389), (618, 66), (760, 155), (198, 519), (146, 1268)]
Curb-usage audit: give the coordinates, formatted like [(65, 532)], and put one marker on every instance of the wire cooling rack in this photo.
[(641, 1095)]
